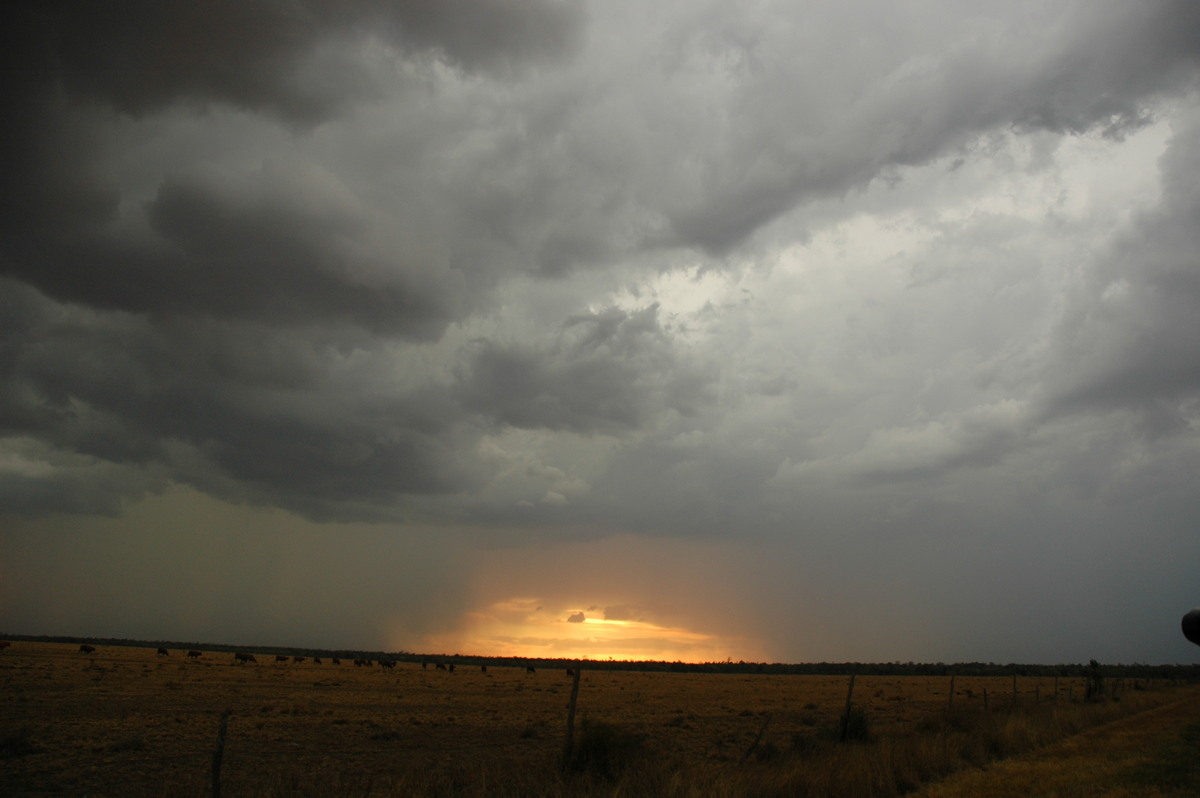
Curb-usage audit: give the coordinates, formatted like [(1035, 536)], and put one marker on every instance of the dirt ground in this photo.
[(130, 722)]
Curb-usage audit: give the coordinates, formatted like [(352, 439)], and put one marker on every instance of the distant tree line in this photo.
[(1190, 673)]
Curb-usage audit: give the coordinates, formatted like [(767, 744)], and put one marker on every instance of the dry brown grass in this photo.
[(129, 722), (1153, 754)]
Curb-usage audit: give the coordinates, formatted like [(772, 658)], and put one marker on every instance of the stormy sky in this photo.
[(681, 330)]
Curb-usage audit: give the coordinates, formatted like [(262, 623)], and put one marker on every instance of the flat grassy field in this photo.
[(128, 721), (1153, 754)]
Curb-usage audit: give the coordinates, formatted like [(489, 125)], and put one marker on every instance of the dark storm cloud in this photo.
[(851, 302), (607, 372), (284, 56), (273, 249), (245, 412), (233, 246)]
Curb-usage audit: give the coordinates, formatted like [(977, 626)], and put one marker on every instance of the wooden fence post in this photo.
[(761, 731), (846, 714), (218, 754), (569, 745)]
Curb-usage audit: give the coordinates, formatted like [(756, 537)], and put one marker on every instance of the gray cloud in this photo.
[(608, 371), (298, 59), (1129, 341)]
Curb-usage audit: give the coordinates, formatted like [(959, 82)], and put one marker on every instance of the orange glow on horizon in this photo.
[(525, 628)]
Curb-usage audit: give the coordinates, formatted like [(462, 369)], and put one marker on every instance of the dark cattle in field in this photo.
[(387, 663), (242, 657), (483, 668), (424, 664), (316, 660), (337, 661), (570, 673), (162, 652), (194, 654), (439, 666), (450, 667), (280, 658), (297, 659), (4, 644), (529, 669), (86, 649)]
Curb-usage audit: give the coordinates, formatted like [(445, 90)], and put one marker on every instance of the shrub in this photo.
[(605, 749)]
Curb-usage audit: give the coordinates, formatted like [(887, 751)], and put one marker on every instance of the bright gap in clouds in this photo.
[(622, 597), (526, 627)]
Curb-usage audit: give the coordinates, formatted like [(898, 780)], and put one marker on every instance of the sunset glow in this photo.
[(525, 627)]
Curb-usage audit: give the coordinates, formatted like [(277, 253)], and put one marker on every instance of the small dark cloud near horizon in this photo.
[(888, 295), (576, 617)]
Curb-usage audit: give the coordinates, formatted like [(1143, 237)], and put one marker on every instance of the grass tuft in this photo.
[(605, 750)]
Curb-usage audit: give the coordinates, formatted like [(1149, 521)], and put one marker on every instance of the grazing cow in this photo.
[(529, 669), (316, 660), (162, 652), (424, 664), (337, 661), (243, 657), (86, 649), (439, 666), (280, 658), (387, 663), (483, 668), (194, 654), (570, 673), (450, 667), (297, 660)]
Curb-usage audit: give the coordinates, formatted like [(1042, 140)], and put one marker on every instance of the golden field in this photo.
[(127, 721)]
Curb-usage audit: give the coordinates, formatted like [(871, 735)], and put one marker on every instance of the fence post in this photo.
[(569, 745), (218, 753), (846, 714), (761, 731)]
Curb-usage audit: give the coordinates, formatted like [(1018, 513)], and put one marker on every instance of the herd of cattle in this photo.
[(242, 657)]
